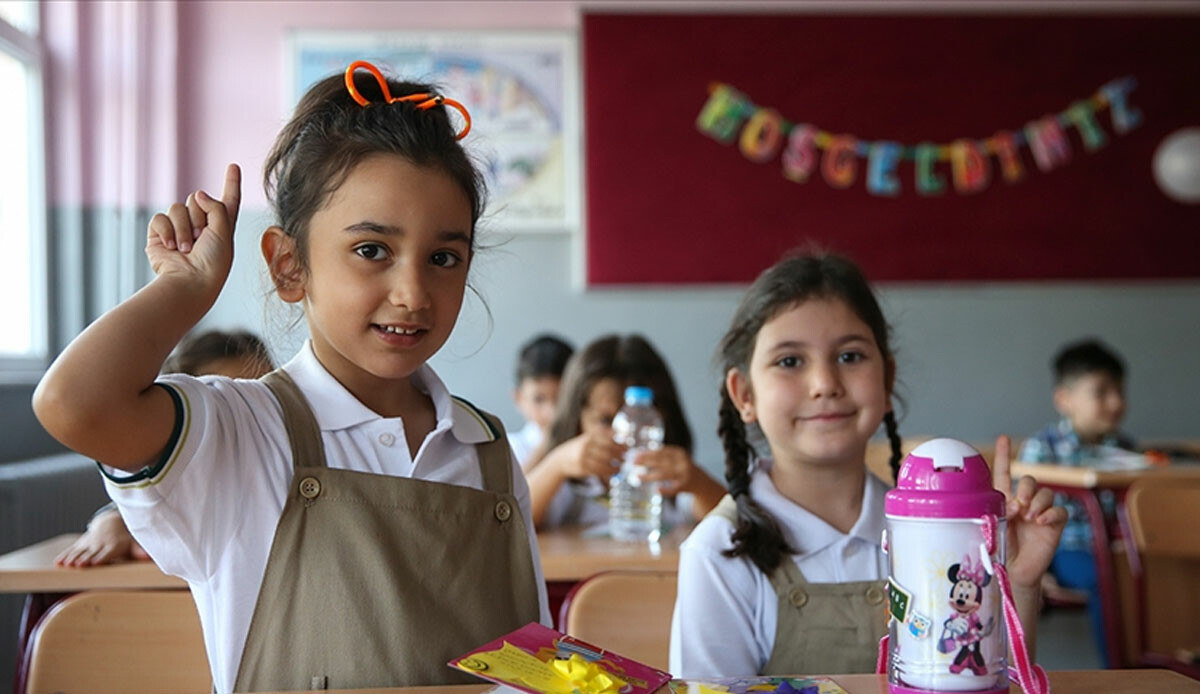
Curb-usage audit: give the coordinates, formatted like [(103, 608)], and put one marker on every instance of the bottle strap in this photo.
[(881, 661), (1029, 675)]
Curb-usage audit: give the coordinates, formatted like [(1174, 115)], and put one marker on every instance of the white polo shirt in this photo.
[(207, 511), (726, 609), (525, 442)]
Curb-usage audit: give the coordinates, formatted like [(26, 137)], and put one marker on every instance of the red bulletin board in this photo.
[(668, 203)]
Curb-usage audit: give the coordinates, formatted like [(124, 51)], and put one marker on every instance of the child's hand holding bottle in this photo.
[(589, 454), (670, 465), (1035, 526)]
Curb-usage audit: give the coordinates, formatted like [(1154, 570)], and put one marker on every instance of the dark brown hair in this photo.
[(1086, 357), (330, 133), (789, 282), (543, 356), (630, 361), (196, 350)]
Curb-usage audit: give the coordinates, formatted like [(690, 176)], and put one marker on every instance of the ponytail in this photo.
[(756, 535)]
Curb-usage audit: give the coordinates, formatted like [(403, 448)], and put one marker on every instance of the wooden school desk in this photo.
[(32, 570), (568, 556), (1086, 485), (571, 554), (1061, 682)]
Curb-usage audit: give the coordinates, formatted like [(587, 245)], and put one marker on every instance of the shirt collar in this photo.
[(336, 408), (1067, 431), (804, 531)]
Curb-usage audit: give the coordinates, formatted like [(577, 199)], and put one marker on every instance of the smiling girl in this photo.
[(343, 522), (788, 569)]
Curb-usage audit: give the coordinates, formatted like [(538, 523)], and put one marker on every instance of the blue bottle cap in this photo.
[(639, 395)]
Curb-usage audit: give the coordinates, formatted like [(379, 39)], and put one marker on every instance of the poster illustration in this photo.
[(521, 89)]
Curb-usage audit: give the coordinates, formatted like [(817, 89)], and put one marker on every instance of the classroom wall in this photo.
[(973, 358)]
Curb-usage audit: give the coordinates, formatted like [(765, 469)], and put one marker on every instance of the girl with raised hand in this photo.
[(786, 576), (343, 522)]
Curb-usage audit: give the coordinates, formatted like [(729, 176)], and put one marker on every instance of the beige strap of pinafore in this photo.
[(377, 580), (821, 627)]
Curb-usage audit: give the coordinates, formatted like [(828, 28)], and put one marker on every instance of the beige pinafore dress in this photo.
[(822, 628), (378, 581)]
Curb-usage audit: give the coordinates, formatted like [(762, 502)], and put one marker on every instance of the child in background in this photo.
[(807, 362), (1089, 393), (238, 354), (569, 482), (233, 354), (346, 500), (539, 374)]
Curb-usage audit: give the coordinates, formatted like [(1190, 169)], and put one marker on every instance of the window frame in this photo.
[(27, 49)]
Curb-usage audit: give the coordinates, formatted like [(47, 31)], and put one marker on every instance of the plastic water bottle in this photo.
[(947, 629), (635, 505)]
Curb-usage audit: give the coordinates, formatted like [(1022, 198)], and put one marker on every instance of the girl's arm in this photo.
[(1035, 526), (672, 466), (714, 629), (583, 456), (98, 397)]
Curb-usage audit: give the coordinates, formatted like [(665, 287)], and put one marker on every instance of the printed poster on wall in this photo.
[(520, 88)]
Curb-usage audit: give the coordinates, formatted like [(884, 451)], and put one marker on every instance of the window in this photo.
[(23, 269)]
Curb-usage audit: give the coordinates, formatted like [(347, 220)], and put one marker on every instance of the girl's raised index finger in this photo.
[(232, 194), (1001, 474)]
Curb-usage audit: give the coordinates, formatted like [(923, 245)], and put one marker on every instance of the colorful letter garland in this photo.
[(763, 134)]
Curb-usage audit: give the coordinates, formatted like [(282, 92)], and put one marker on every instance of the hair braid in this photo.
[(737, 451), (757, 535), (893, 434)]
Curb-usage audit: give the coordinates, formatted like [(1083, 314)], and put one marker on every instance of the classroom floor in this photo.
[(1065, 641)]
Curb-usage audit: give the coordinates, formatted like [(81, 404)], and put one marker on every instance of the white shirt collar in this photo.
[(803, 530), (336, 408)]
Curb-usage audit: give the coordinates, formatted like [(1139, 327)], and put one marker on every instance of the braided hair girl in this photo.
[(788, 569)]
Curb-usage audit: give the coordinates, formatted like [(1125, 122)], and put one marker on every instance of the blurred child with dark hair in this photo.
[(540, 365), (1089, 394)]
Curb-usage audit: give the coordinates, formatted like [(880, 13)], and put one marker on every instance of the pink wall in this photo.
[(232, 68)]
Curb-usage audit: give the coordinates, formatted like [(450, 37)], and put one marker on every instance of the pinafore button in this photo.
[(503, 511), (310, 487), (798, 597), (875, 595)]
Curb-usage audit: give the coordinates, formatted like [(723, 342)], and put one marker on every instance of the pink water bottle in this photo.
[(947, 631)]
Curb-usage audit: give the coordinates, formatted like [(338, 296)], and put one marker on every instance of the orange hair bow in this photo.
[(423, 101)]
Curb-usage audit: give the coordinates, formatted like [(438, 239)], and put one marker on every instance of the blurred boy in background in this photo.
[(1089, 394), (540, 365)]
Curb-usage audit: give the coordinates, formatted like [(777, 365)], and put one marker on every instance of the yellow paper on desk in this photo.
[(572, 676), (539, 660)]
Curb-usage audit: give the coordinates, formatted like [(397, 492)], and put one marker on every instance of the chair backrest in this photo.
[(626, 612), (1164, 515), (119, 641)]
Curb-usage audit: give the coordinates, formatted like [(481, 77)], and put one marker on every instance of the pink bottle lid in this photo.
[(944, 478)]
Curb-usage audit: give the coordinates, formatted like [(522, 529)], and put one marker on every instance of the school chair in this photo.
[(120, 641), (1164, 515), (627, 612)]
